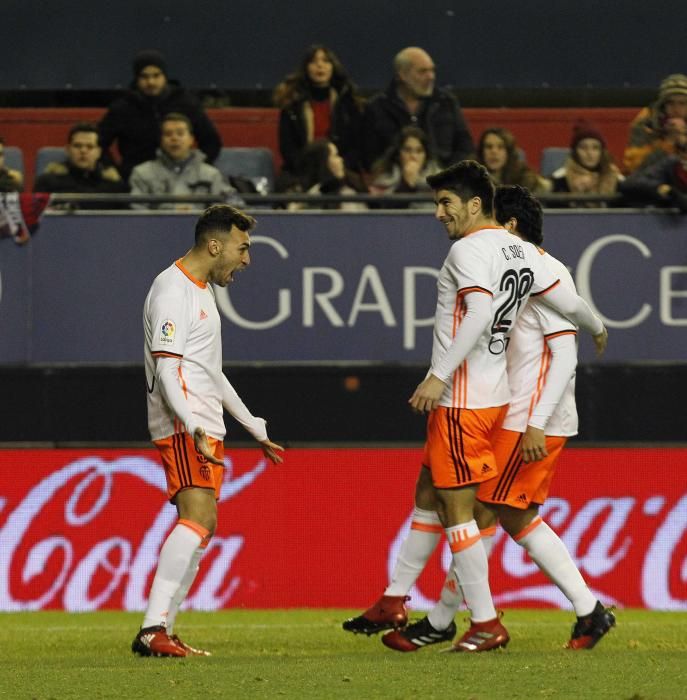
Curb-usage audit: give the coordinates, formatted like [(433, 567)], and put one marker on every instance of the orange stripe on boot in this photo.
[(526, 531), (198, 529)]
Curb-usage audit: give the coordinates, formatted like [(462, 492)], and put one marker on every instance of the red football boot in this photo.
[(154, 641), (482, 636), (190, 651), (419, 634), (389, 612)]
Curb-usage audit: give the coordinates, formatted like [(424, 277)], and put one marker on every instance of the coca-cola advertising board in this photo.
[(81, 530)]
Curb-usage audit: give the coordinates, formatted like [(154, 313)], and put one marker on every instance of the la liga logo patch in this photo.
[(167, 332)]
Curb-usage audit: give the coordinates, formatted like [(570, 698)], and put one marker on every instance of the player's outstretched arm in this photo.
[(575, 308), (257, 427)]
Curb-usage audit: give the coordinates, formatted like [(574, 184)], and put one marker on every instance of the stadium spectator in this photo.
[(655, 129), (318, 101), (81, 172), (589, 169), (10, 180), (133, 120), (179, 168), (498, 151), (413, 99), (404, 167), (323, 172), (662, 183)]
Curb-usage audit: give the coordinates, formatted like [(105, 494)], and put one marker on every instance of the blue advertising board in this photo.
[(323, 287)]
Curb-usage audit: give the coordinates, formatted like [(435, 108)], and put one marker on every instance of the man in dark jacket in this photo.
[(134, 119), (81, 173), (413, 99)]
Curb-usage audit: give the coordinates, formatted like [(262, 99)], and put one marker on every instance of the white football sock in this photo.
[(425, 532), (472, 569), (451, 597), (182, 591), (550, 554), (175, 558)]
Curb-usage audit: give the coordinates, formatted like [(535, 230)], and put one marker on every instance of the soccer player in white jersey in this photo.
[(485, 281), (187, 391)]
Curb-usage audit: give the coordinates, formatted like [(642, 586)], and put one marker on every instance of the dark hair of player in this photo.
[(467, 179), (221, 218), (516, 202)]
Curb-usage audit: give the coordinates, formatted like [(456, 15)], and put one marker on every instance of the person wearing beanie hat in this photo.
[(589, 168), (655, 129), (133, 120)]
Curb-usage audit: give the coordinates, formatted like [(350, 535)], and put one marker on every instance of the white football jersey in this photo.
[(180, 319), (529, 359), (494, 262)]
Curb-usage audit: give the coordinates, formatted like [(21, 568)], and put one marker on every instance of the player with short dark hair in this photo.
[(187, 391)]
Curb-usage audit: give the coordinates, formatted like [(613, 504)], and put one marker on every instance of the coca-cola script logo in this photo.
[(103, 539)]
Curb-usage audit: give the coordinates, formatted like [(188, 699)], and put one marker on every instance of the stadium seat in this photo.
[(49, 154), (552, 158), (14, 158), (251, 163)]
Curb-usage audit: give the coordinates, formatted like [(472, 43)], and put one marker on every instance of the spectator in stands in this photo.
[(133, 120), (81, 172), (404, 167), (656, 128), (663, 182), (589, 169), (318, 101), (323, 172), (179, 168), (10, 180), (413, 99), (498, 152)]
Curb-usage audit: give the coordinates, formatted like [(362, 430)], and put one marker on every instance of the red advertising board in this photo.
[(81, 529)]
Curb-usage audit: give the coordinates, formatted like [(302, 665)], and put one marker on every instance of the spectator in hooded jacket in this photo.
[(179, 168), (412, 98), (81, 172), (589, 169), (657, 127), (133, 120), (318, 101)]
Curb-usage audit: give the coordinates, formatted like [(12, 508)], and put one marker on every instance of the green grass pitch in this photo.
[(305, 654)]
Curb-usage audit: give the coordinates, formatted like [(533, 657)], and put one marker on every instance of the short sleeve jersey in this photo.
[(494, 262), (529, 359), (181, 320)]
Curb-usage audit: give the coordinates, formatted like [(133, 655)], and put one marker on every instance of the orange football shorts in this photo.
[(458, 448), (520, 483), (186, 468)]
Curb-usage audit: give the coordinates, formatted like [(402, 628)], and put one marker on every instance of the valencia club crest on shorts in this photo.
[(167, 332)]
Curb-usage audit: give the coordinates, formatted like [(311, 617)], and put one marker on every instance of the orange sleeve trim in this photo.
[(195, 280), (488, 531), (550, 336), (160, 353), (547, 290), (425, 527), (526, 531), (183, 382), (198, 529), (467, 290)]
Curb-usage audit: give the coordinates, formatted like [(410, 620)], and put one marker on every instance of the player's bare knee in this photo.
[(425, 493), (485, 515)]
